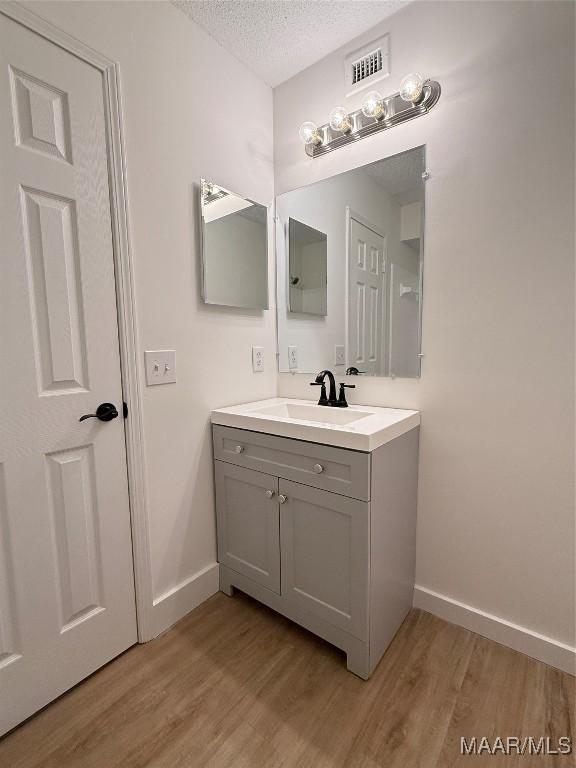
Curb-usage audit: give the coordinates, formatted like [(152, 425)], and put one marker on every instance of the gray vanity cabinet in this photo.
[(323, 535), (324, 551), (248, 523)]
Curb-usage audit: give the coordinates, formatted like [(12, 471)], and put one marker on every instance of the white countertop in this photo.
[(366, 432)]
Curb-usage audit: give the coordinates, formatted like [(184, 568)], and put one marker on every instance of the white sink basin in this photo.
[(361, 427), (320, 414)]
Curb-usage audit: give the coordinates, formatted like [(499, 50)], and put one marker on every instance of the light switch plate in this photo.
[(292, 358), (160, 366), (339, 358), (257, 359)]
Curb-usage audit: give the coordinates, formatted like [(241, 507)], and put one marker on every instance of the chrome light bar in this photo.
[(393, 110)]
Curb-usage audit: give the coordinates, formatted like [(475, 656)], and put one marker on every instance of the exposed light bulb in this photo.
[(411, 87), (309, 133), (373, 105), (339, 120)]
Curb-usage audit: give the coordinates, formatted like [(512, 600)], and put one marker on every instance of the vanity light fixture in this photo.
[(309, 133), (210, 192), (411, 87), (339, 120), (374, 106), (416, 97)]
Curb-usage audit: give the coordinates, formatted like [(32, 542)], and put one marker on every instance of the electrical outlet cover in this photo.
[(292, 358), (257, 359), (339, 356)]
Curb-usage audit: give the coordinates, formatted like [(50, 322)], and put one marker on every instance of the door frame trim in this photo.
[(125, 300)]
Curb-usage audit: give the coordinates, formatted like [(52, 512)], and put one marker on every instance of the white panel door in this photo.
[(66, 577), (366, 297)]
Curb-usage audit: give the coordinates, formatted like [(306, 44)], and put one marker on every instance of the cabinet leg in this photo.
[(225, 585), (358, 661)]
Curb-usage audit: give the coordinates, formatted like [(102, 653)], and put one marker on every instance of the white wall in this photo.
[(496, 507), (178, 85)]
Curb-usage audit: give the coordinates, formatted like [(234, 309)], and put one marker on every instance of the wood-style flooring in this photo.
[(234, 684)]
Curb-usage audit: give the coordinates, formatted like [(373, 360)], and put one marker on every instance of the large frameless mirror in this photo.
[(360, 235), (234, 249)]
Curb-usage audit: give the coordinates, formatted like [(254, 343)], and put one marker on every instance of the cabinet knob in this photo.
[(282, 498), (318, 468), (239, 449), (269, 494)]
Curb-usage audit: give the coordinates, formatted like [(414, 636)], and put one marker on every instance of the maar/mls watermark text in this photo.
[(515, 745)]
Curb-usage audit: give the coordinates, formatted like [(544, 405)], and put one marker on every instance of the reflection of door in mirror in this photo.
[(366, 298), (307, 256)]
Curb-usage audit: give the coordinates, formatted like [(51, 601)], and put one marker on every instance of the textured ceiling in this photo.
[(278, 38)]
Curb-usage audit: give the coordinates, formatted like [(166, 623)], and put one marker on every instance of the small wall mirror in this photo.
[(234, 249), (307, 253), (356, 241)]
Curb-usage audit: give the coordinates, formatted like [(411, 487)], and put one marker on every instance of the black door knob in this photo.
[(104, 412)]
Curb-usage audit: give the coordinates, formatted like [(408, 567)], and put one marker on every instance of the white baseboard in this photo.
[(180, 600), (519, 638)]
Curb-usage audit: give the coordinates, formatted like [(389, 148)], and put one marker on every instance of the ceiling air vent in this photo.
[(365, 66)]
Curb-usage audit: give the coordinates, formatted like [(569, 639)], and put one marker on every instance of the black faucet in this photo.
[(342, 403), (331, 399), (319, 381)]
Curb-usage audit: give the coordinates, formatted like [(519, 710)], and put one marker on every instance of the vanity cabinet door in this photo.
[(247, 517), (324, 551)]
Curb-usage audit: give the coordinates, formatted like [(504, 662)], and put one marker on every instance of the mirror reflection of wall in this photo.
[(307, 253), (373, 219), (234, 249)]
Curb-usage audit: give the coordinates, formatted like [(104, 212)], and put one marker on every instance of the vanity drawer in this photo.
[(320, 466)]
